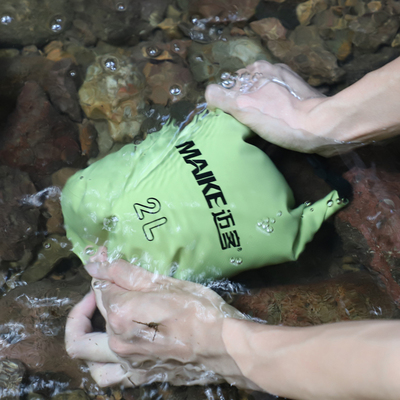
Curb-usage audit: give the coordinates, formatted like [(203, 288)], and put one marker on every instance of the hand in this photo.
[(158, 329), (274, 102)]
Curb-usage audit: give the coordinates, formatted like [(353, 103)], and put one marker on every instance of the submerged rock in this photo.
[(27, 22), (208, 62), (53, 250), (19, 222), (37, 139), (348, 297), (370, 225), (113, 91), (32, 323), (12, 372), (223, 10)]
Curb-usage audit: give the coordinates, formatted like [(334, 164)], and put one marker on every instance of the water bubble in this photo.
[(259, 223), (279, 214), (111, 64), (175, 90), (56, 24), (266, 220), (72, 73), (239, 261), (110, 223), (329, 203), (120, 7), (89, 251), (269, 229), (264, 226), (6, 19), (153, 51), (225, 75), (176, 47), (338, 201), (345, 201), (199, 58), (47, 245), (196, 20), (228, 83), (232, 260), (307, 203)]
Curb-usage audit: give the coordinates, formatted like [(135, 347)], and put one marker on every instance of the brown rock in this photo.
[(19, 223), (37, 138), (223, 10), (87, 139), (306, 11), (372, 220), (348, 297), (269, 28)]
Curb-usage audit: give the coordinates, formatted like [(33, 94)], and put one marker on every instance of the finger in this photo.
[(126, 275), (80, 342), (100, 256), (115, 373)]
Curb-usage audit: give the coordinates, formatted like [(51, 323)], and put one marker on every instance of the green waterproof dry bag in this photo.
[(196, 204)]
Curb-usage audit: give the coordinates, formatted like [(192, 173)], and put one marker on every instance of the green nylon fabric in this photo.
[(197, 204)]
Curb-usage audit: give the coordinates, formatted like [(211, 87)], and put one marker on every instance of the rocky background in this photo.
[(81, 78)]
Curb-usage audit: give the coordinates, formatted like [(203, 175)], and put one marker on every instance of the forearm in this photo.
[(353, 360), (364, 112)]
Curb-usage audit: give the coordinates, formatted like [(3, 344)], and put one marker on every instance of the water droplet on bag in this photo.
[(89, 251), (329, 203), (259, 223), (264, 226), (175, 90), (269, 229), (279, 214), (239, 261), (338, 201), (6, 19), (153, 51), (111, 64), (110, 223), (272, 221), (232, 260), (307, 203)]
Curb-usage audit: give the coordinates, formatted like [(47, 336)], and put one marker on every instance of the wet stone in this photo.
[(19, 223), (113, 91), (12, 372), (32, 22), (269, 28)]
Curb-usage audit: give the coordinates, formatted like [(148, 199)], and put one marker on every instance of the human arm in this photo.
[(199, 333), (285, 110)]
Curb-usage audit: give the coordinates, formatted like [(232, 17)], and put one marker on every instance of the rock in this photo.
[(37, 139), (168, 82), (306, 11), (369, 226), (33, 22), (32, 324), (340, 43), (114, 22), (396, 41), (60, 177), (269, 29), (19, 223), (113, 91), (87, 139), (56, 78), (207, 62), (72, 395), (54, 217), (12, 372), (223, 10), (371, 31), (53, 250), (304, 51), (348, 297)]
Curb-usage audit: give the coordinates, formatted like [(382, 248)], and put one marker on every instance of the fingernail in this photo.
[(92, 268)]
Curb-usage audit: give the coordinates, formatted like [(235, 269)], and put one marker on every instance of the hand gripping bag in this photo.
[(196, 204)]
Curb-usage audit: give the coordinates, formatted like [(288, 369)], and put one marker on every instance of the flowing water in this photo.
[(80, 79)]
